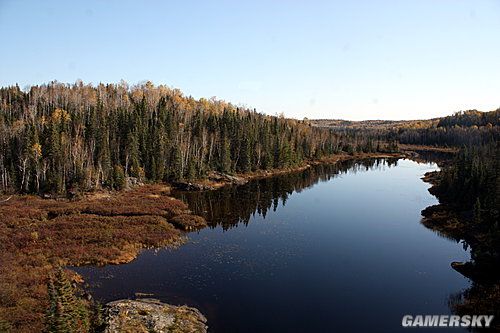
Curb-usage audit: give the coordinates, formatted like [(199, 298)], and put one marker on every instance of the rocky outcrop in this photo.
[(213, 181), (189, 186), (133, 182), (223, 177), (150, 315)]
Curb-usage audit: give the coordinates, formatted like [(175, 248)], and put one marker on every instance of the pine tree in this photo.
[(65, 312), (225, 158), (176, 172), (119, 181)]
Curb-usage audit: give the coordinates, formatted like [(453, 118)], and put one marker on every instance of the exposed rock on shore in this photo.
[(222, 177), (214, 180), (193, 186), (150, 315)]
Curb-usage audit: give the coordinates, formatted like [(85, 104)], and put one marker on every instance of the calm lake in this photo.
[(333, 248)]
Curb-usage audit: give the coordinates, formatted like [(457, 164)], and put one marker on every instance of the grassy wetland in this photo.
[(39, 235)]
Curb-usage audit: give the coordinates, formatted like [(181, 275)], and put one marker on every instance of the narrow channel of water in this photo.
[(333, 248)]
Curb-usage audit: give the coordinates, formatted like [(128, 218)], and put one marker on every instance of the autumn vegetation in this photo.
[(38, 236), (465, 128), (60, 138)]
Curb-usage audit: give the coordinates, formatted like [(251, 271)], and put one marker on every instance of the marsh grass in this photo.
[(38, 235)]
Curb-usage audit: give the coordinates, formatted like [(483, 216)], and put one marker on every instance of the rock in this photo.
[(412, 153), (150, 315), (431, 177), (133, 182), (216, 179), (188, 186), (219, 176)]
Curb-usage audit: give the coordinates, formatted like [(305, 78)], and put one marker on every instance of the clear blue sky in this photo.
[(318, 59)]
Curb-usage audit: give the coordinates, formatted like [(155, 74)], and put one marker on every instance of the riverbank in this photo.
[(38, 235), (438, 149), (442, 218), (264, 233), (216, 180), (483, 269), (454, 223)]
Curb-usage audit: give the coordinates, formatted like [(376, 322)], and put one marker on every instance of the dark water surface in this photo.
[(333, 248)]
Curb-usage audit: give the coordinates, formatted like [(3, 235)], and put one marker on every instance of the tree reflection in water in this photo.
[(231, 205)]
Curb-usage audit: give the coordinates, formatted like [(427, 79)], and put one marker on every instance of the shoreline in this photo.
[(450, 222), (484, 293), (216, 180), (132, 214), (277, 172), (39, 236)]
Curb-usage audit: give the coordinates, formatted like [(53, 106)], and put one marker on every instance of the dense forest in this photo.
[(469, 190), (463, 128), (59, 137), (472, 183)]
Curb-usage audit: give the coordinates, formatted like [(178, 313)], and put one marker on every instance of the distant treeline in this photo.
[(463, 128), (470, 183), (470, 127), (58, 137), (471, 118)]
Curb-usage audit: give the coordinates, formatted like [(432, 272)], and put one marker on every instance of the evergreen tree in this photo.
[(66, 312)]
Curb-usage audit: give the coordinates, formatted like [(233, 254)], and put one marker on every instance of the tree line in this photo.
[(470, 127), (465, 128), (60, 137), (472, 183)]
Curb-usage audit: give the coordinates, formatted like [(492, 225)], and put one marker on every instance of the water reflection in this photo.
[(332, 248), (232, 205)]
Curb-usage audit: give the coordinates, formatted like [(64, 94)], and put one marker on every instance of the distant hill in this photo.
[(471, 118), (372, 124), (463, 119)]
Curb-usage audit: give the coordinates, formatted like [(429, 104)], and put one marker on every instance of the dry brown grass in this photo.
[(38, 234), (188, 222)]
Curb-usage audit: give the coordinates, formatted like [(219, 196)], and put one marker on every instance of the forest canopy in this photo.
[(56, 137), (69, 137)]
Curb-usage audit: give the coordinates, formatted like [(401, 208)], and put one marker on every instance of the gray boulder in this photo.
[(150, 315)]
